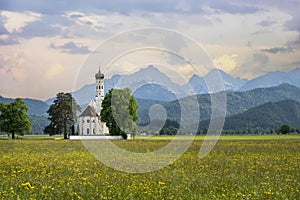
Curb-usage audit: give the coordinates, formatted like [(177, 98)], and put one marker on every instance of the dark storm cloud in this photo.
[(72, 48)]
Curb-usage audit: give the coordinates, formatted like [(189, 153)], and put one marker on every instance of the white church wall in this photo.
[(88, 125)]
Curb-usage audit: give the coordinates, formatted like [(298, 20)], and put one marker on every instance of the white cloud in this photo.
[(15, 21)]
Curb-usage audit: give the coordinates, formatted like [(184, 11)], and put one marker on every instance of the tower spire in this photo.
[(99, 90)]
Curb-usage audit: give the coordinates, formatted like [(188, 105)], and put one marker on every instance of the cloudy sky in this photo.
[(44, 43)]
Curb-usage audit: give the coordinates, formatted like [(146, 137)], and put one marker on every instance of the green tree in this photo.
[(133, 108), (284, 129), (119, 111), (62, 115), (14, 118), (199, 132), (292, 130)]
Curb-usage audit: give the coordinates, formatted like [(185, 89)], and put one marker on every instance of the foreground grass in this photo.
[(223, 137), (165, 137), (33, 137), (235, 169)]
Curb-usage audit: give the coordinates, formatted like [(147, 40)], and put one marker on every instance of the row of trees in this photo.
[(284, 129), (171, 128)]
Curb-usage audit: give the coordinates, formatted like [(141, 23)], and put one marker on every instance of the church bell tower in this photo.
[(99, 91)]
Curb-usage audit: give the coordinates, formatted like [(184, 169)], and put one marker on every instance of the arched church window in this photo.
[(88, 121), (102, 87), (93, 130), (87, 131)]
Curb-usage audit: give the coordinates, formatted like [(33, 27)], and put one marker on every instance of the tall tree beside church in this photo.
[(133, 108), (14, 118), (119, 111), (62, 115)]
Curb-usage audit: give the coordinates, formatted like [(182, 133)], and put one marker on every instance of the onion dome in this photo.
[(99, 75)]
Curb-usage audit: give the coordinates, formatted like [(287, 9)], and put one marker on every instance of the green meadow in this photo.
[(239, 167), (223, 137)]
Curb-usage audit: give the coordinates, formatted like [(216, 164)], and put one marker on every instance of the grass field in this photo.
[(162, 137), (224, 137), (237, 168)]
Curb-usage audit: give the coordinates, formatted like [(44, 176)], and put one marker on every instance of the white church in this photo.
[(89, 122)]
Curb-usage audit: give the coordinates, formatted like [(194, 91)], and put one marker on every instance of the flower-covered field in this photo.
[(235, 169)]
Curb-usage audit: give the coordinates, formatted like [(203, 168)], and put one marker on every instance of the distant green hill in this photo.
[(143, 108), (36, 107), (237, 102), (266, 117), (38, 122)]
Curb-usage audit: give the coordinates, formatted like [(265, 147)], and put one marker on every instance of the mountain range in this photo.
[(273, 79), (151, 83)]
